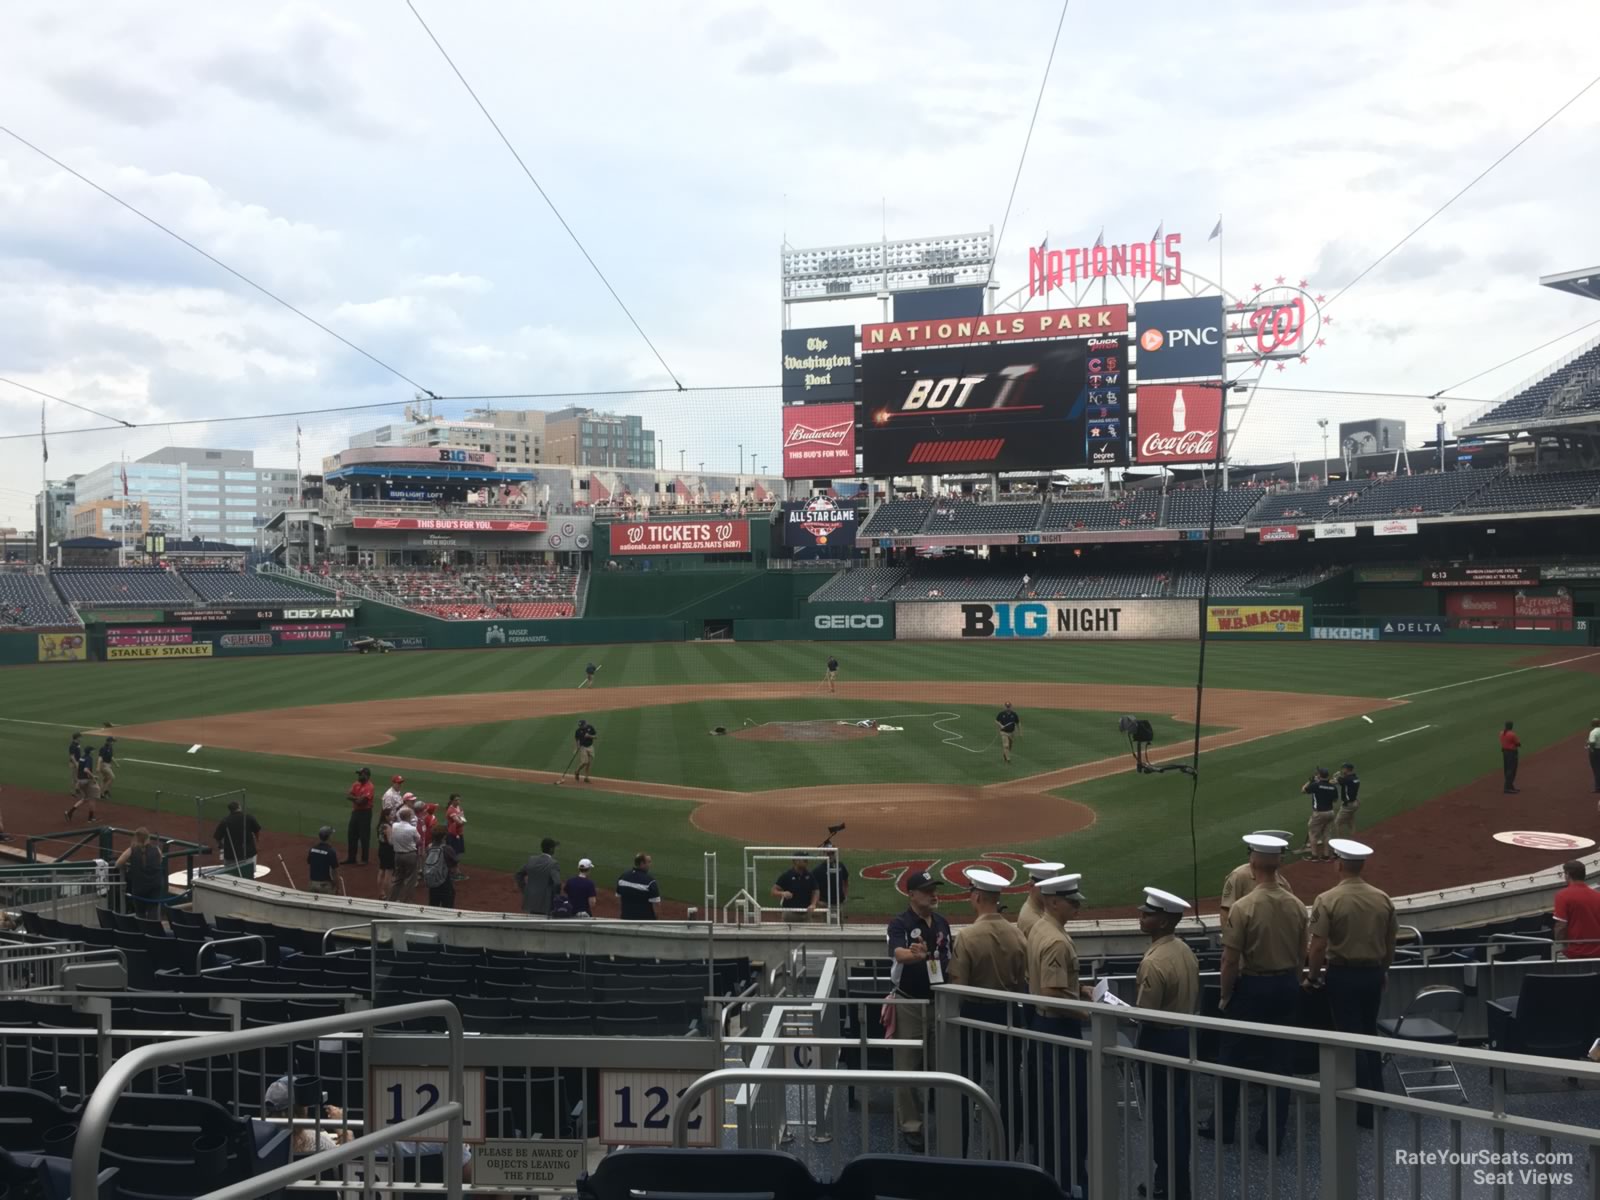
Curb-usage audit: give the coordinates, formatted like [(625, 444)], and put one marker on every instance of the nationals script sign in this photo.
[(681, 537)]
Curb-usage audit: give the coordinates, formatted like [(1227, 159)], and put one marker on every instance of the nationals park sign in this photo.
[(680, 537)]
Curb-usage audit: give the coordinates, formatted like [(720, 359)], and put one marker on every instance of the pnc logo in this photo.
[(1152, 340), (848, 621)]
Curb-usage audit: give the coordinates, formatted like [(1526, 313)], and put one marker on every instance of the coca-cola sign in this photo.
[(819, 441), (1177, 424)]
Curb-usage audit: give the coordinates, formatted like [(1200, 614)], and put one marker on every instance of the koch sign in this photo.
[(819, 364), (1180, 339), (819, 441), (680, 537)]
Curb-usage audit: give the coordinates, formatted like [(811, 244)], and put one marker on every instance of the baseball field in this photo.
[(904, 752)]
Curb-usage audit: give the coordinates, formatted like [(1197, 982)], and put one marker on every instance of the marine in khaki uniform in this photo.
[(1263, 951), (1168, 980), (1241, 880), (1053, 971), (1353, 929), (1031, 907), (989, 953)]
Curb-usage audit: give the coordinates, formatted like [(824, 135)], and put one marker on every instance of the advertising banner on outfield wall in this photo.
[(1126, 619), (1344, 633), (461, 524), (159, 635), (819, 441), (1256, 618), (63, 647), (1413, 628), (680, 537), (192, 650)]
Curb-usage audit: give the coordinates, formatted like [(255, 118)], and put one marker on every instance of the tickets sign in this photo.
[(1255, 618), (680, 537)]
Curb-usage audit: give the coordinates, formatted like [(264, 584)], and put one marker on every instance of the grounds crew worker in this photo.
[(1009, 722), (322, 863), (831, 676), (1353, 928), (1263, 950), (1053, 971), (1323, 796), (919, 943), (990, 953), (1241, 881), (1033, 906), (1349, 784), (1168, 980)]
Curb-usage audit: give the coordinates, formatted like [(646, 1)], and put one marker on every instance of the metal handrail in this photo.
[(327, 933), (857, 1079), (97, 1109), (243, 937)]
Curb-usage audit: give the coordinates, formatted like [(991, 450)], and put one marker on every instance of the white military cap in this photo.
[(1062, 885), (987, 881), (1345, 848), (1156, 900), (1265, 843), (1040, 871)]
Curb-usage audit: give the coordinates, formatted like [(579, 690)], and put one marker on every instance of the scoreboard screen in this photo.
[(1481, 576), (999, 407)]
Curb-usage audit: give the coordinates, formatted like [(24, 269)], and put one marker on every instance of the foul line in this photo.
[(150, 762), (50, 724), (1392, 736), (1443, 687)]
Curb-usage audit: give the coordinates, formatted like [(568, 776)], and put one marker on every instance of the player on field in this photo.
[(832, 674), (1009, 722)]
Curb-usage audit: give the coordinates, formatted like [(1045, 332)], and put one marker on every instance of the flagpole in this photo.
[(44, 494)]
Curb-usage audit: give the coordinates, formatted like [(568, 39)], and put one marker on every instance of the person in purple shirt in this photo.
[(580, 889)]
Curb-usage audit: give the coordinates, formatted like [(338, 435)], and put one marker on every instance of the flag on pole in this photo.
[(1160, 229), (44, 446), (1044, 245), (1217, 232), (124, 481), (1101, 240)]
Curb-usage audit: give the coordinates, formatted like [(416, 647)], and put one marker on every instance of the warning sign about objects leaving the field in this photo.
[(1255, 618), (518, 1164)]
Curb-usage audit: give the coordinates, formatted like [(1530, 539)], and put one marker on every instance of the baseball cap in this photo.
[(586, 864), (408, 797), (1156, 900), (397, 779), (921, 882), (307, 1091), (548, 845), (325, 832)]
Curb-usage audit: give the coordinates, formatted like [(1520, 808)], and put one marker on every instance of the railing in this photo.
[(33, 967), (98, 1108), (216, 943)]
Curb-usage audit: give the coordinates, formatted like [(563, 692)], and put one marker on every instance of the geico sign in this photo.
[(848, 621)]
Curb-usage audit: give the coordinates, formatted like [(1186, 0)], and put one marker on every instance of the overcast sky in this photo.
[(328, 152)]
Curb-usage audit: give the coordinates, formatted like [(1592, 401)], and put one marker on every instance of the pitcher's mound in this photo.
[(805, 731)]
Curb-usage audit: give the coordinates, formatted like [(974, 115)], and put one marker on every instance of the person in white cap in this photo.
[(1242, 879), (989, 953), (1263, 951), (1169, 980), (580, 889), (1033, 907), (1353, 929), (1053, 971)]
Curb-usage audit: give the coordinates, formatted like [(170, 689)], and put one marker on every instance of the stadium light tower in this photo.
[(1438, 410), (1322, 423)]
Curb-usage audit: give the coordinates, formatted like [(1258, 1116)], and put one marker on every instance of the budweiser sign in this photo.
[(465, 524), (819, 441), (1177, 424)]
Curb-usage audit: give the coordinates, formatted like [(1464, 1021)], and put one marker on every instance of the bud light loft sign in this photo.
[(1180, 339)]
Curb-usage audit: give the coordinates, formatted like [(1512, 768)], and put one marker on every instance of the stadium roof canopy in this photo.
[(1579, 283)]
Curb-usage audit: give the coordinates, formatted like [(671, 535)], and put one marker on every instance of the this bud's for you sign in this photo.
[(1177, 424)]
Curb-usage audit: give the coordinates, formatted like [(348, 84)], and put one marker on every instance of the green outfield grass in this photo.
[(949, 743), (1141, 834)]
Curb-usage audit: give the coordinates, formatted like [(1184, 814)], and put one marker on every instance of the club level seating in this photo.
[(966, 516), (1317, 504), (1117, 585), (859, 583), (466, 593), (29, 601), (122, 585), (1535, 492), (897, 517), (1569, 390), (1415, 495), (1190, 507), (1134, 511), (226, 587)]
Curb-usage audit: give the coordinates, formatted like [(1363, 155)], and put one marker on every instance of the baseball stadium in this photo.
[(1024, 746)]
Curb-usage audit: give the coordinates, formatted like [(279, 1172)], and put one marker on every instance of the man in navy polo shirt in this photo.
[(920, 943)]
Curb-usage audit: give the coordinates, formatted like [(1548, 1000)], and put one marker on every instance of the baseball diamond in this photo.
[(929, 785)]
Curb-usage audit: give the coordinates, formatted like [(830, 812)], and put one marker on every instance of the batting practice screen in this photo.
[(1028, 405)]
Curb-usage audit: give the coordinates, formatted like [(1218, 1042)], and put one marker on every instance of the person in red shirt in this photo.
[(1577, 915), (426, 820), (1510, 744), (360, 832)]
